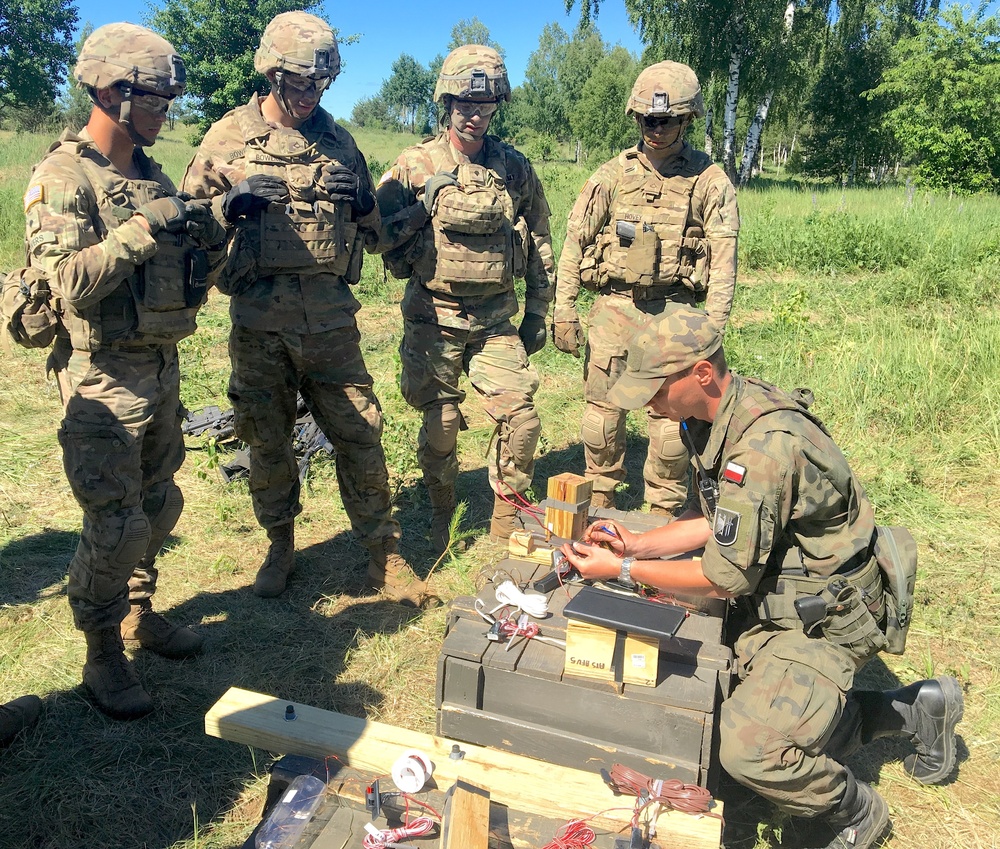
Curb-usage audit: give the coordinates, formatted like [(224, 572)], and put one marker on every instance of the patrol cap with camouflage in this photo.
[(666, 345), (126, 53), (473, 72), (666, 88), (298, 43)]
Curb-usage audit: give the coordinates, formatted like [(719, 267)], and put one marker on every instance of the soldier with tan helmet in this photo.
[(298, 200), (652, 229), (463, 215), (127, 262)]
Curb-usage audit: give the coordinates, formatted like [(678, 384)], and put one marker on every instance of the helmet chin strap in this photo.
[(674, 146), (125, 119), (278, 90)]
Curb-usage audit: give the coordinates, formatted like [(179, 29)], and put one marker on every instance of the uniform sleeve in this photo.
[(751, 514), (538, 277), (721, 218), (64, 234), (586, 220), (402, 215), (203, 180)]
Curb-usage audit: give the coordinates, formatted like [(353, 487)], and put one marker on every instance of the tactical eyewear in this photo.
[(147, 101), (652, 122), (306, 85), (468, 108)]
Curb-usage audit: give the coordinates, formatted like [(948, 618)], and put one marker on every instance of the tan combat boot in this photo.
[(603, 500), (155, 633), (389, 573), (443, 508), (18, 715), (110, 678), (272, 577), (503, 523)]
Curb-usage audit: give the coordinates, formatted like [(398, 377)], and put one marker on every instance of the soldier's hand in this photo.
[(164, 214), (252, 195), (532, 333), (202, 226), (568, 336), (342, 183), (434, 185)]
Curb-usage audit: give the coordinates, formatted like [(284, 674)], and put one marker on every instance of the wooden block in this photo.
[(466, 820), (524, 784), (569, 487), (565, 524), (523, 545), (590, 653)]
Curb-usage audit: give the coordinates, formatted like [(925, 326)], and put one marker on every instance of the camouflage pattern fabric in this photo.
[(446, 334), (617, 314), (291, 42), (328, 369)]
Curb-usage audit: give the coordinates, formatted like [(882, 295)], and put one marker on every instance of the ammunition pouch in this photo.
[(27, 308), (642, 260), (169, 289)]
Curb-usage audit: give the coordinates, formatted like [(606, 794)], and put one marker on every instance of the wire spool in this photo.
[(411, 771)]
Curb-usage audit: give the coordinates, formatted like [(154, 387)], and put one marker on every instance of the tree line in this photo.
[(851, 90)]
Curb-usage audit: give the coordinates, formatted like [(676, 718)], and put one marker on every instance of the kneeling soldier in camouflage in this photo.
[(127, 263), (296, 192), (787, 528)]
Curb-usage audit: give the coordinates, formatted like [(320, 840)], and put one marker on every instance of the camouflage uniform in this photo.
[(451, 327), (294, 328), (692, 206)]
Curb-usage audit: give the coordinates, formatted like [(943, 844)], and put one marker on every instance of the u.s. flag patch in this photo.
[(735, 473), (34, 195)]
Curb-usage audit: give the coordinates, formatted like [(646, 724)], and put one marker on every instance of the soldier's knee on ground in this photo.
[(441, 426), (600, 430)]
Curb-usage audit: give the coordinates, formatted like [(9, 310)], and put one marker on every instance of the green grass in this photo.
[(884, 303)]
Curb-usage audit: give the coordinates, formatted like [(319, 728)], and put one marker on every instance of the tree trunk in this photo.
[(709, 126), (732, 96)]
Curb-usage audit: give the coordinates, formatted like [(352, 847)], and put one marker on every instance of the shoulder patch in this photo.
[(735, 473), (726, 526), (35, 194)]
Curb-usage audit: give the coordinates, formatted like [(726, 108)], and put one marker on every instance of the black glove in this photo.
[(434, 185), (253, 194), (532, 333), (202, 226), (164, 214), (342, 183)]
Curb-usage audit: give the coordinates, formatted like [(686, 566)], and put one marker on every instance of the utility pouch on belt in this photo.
[(27, 311), (643, 257), (849, 622), (896, 553)]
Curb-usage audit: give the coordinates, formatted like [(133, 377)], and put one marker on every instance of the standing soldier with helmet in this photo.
[(463, 215), (296, 194), (654, 228), (127, 262)]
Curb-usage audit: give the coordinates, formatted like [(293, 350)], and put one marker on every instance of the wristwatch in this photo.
[(625, 576)]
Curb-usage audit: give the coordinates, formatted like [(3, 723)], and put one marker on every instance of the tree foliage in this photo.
[(599, 119), (472, 31), (36, 47), (75, 103)]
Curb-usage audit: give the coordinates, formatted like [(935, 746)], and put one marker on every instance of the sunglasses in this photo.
[(147, 101), (651, 122), (468, 108), (306, 85)]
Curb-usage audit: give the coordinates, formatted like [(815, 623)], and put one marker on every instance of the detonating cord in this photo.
[(670, 793), (576, 834), (380, 838)]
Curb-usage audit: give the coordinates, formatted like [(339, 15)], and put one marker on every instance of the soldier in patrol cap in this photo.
[(297, 197), (785, 525), (463, 215), (128, 263), (653, 228)]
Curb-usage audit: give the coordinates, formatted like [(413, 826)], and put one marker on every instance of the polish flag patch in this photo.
[(735, 473)]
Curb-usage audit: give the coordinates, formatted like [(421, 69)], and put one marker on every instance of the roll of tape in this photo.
[(411, 771)]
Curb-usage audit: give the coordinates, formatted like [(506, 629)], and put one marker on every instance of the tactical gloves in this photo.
[(252, 195), (568, 336), (532, 333), (434, 185), (180, 215), (343, 184), (202, 226), (168, 214)]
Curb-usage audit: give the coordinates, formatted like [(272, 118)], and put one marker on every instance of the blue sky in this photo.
[(422, 29)]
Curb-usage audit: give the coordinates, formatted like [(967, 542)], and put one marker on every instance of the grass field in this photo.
[(886, 303)]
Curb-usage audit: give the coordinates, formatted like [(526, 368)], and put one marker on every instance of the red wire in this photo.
[(576, 834)]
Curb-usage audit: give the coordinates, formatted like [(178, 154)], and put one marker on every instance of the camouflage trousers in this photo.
[(792, 720), (122, 444), (433, 358), (328, 369), (614, 319)]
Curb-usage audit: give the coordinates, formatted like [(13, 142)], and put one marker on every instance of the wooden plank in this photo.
[(255, 719), (569, 487), (466, 819)]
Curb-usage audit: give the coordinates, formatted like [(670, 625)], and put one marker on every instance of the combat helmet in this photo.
[(133, 55), (668, 89), (473, 72), (301, 44)]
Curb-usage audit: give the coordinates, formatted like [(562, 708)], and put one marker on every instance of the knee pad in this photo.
[(600, 428), (522, 436), (441, 425), (666, 442), (164, 507), (133, 540)]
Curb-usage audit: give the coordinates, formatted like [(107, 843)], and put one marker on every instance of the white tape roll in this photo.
[(411, 771)]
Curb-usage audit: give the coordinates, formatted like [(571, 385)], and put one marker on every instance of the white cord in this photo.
[(534, 604)]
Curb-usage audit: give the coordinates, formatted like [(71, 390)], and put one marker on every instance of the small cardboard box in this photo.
[(590, 653)]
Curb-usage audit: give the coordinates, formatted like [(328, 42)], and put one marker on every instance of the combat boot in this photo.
[(110, 678), (272, 577), (926, 713), (603, 500), (503, 522), (18, 715), (443, 508), (153, 632), (860, 819), (389, 573)]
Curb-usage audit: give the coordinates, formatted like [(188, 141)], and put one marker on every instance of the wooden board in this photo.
[(255, 719), (466, 820), (570, 488)]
